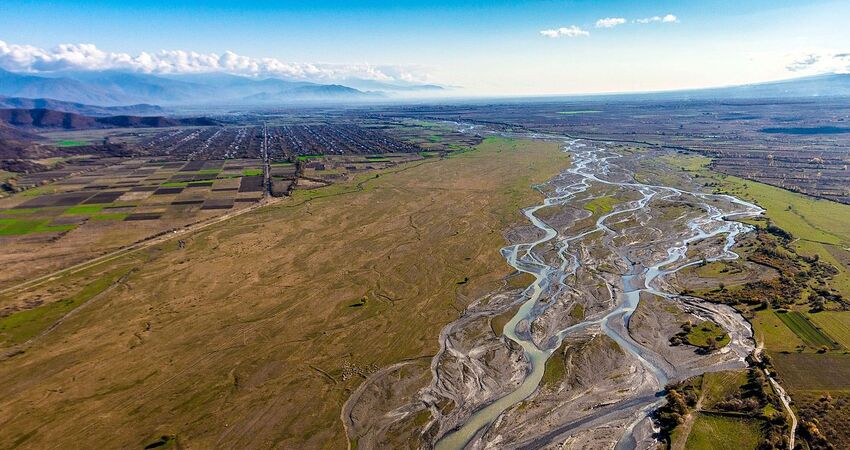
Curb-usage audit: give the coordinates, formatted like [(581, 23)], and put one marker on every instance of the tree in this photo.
[(711, 343)]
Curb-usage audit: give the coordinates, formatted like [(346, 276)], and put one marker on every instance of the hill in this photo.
[(827, 85), (46, 118), (79, 108)]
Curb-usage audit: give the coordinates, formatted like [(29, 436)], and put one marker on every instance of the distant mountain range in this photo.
[(141, 109), (828, 85), (113, 88), (47, 118)]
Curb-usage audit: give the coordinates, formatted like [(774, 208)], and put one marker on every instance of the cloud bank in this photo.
[(669, 18), (571, 31), (820, 62), (610, 22), (87, 57), (607, 22)]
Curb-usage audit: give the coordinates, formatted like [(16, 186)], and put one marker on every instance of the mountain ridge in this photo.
[(38, 118)]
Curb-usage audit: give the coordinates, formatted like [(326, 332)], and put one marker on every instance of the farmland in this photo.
[(84, 214), (355, 225), (806, 330), (198, 338), (836, 324), (81, 203), (807, 346), (721, 410), (712, 432), (752, 140)]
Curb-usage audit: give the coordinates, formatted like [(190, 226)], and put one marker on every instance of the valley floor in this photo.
[(258, 330)]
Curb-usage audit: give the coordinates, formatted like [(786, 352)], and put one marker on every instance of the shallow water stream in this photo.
[(593, 165)]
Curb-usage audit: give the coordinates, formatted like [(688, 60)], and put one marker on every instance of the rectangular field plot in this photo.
[(143, 216), (836, 323), (168, 190), (135, 189), (13, 227), (718, 432), (806, 330), (218, 203), (813, 371), (251, 184), (104, 197), (68, 199)]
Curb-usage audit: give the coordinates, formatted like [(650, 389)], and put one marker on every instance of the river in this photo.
[(593, 165)]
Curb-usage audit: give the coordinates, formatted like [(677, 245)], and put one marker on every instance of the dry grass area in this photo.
[(254, 335)]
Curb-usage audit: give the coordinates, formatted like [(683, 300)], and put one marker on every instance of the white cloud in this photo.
[(610, 22), (28, 58), (669, 18), (571, 31), (816, 62)]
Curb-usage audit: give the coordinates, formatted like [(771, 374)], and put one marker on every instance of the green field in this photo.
[(813, 371), (308, 157), (601, 205), (19, 211), (23, 325), (715, 269), (841, 281), (774, 333), (711, 432), (5, 175), (83, 209), (836, 324), (66, 143), (555, 369), (252, 172), (716, 386), (700, 333), (10, 227), (806, 330), (805, 217)]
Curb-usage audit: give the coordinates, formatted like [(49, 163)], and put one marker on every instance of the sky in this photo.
[(491, 47)]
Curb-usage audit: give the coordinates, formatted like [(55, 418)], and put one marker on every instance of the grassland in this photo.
[(714, 432), (774, 333), (70, 143), (836, 324), (813, 372), (717, 386), (806, 330), (556, 368), (601, 205), (807, 218), (819, 227), (701, 335), (23, 325), (242, 337), (9, 227), (84, 209)]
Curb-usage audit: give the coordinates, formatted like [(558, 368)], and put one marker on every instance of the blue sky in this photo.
[(485, 47)]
